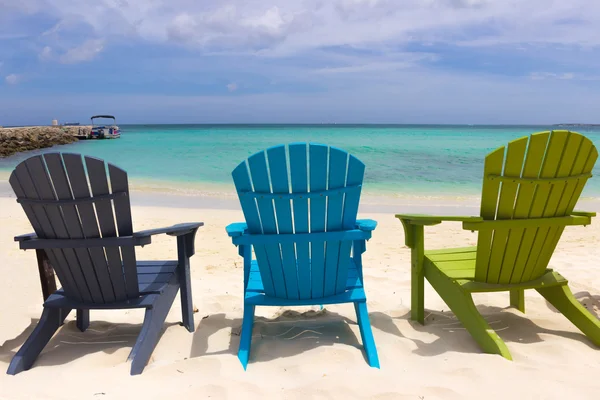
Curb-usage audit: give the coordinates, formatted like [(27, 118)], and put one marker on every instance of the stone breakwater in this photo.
[(15, 140)]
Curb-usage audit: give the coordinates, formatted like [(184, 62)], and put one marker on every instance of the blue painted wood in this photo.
[(304, 194), (349, 296), (50, 321), (292, 228), (366, 333), (236, 229), (246, 335), (333, 273), (354, 234), (366, 224), (299, 181), (356, 172), (241, 178), (283, 211), (318, 161), (261, 182)]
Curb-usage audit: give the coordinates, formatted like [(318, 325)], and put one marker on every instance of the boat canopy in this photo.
[(103, 116)]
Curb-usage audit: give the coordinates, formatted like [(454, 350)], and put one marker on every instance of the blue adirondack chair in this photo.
[(87, 236), (303, 228)]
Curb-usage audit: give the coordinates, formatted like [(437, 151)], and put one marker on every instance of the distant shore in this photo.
[(16, 140)]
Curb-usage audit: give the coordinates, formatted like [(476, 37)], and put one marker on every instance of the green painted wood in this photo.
[(489, 200), (417, 275), (527, 200), (500, 272), (543, 195), (586, 156), (518, 244)]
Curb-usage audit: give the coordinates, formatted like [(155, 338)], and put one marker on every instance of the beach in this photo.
[(303, 352)]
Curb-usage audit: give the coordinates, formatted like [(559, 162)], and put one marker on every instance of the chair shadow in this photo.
[(453, 337), (589, 301), (272, 336), (70, 344)]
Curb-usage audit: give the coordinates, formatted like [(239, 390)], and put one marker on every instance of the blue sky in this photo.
[(300, 61)]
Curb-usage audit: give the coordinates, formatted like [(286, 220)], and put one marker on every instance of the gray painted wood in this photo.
[(51, 320), (22, 184), (89, 224), (99, 185), (91, 247), (154, 320), (119, 183)]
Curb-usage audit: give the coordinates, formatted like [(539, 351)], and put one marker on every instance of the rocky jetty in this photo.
[(15, 140)]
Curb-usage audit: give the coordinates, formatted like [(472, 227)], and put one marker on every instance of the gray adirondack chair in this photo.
[(92, 251)]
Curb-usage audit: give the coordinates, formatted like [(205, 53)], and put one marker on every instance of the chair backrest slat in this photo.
[(120, 183), (292, 189), (537, 163), (299, 184), (90, 275), (24, 187)]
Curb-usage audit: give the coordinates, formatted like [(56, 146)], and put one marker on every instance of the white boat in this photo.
[(105, 131)]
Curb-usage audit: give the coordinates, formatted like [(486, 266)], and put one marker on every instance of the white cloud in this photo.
[(13, 79), (84, 52), (46, 54), (288, 26), (232, 87), (551, 75)]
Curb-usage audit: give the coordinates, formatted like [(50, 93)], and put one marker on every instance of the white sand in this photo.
[(314, 355)]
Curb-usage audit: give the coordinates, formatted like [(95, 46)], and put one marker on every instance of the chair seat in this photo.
[(255, 283), (456, 263), (154, 276)]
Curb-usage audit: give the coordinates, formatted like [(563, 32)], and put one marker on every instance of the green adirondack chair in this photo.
[(529, 192)]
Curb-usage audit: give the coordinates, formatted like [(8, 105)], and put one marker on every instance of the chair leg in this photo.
[(366, 333), (183, 272), (417, 275), (83, 319), (517, 299), (154, 320), (50, 321), (246, 335), (562, 298), (461, 304)]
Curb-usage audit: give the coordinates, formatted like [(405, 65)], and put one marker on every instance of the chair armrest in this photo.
[(27, 236), (84, 243), (366, 225), (419, 219), (528, 223), (236, 229), (175, 230), (583, 213)]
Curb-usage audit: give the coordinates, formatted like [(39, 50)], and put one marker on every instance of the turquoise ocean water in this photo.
[(410, 160)]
